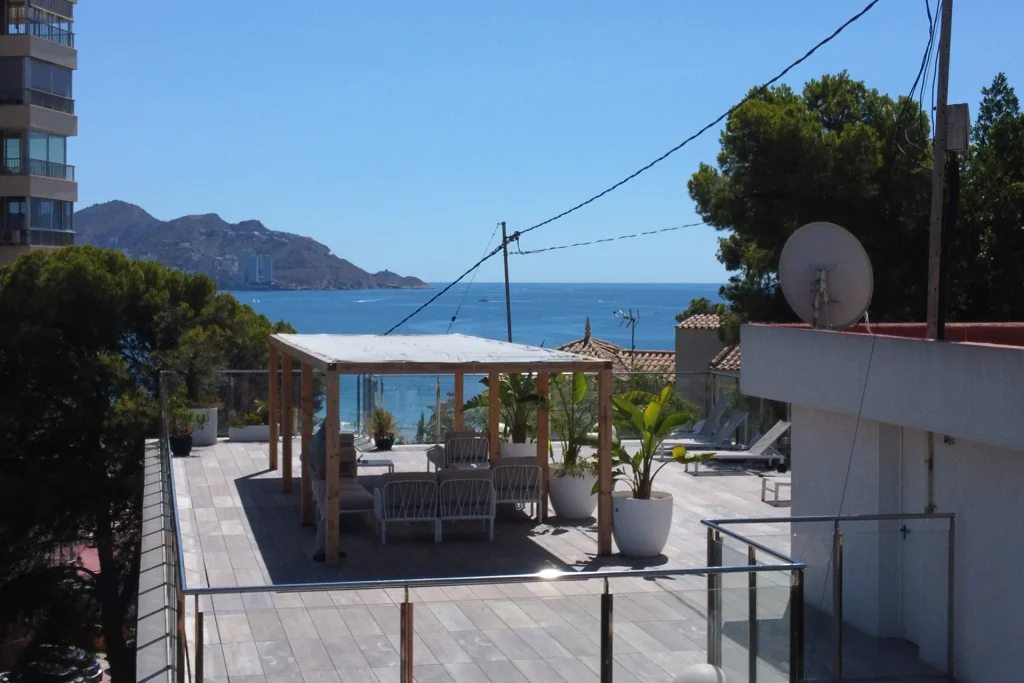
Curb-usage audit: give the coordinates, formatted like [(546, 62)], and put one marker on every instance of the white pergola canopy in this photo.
[(427, 353)]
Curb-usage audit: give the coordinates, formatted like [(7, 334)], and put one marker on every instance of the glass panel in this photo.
[(42, 213), (57, 152), (37, 144), (12, 154)]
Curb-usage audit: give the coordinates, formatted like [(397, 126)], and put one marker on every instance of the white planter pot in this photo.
[(249, 433), (207, 436), (516, 450), (641, 527), (571, 497)]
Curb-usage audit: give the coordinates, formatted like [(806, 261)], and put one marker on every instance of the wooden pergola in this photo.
[(452, 354)]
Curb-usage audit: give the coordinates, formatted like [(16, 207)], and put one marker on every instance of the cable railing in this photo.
[(863, 558)]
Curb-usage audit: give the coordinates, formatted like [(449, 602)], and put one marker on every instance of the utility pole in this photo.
[(508, 298), (939, 173)]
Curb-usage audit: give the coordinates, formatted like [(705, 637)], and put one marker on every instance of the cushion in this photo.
[(352, 496)]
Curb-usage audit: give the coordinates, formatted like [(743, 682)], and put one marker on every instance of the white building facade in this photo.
[(864, 409)]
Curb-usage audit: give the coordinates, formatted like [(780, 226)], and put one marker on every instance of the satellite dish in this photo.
[(826, 276)]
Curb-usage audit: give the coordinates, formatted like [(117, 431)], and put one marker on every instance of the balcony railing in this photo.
[(61, 8), (37, 98), (51, 169), (51, 238), (19, 26)]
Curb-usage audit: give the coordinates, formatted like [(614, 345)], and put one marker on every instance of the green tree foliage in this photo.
[(987, 271), (844, 153), (88, 332), (700, 306), (474, 419), (833, 152)]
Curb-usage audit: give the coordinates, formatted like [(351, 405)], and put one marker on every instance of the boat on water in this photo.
[(484, 300)]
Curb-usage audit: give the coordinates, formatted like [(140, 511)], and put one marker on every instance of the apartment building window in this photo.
[(12, 153), (49, 78), (45, 147), (13, 229), (51, 214)]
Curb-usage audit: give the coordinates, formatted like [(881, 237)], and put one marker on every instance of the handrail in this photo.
[(892, 516)]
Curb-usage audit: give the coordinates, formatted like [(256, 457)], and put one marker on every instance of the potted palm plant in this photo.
[(642, 516), (573, 414), (383, 429), (181, 424), (251, 426), (519, 402)]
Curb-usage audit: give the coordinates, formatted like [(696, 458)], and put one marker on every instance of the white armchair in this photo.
[(406, 497), (519, 480), (466, 494)]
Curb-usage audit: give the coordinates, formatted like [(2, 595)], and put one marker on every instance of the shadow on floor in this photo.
[(520, 544)]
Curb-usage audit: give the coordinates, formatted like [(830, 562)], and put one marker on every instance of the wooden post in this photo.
[(459, 400), (306, 428), (493, 402), (543, 433), (332, 545), (286, 422), (272, 406), (604, 462)]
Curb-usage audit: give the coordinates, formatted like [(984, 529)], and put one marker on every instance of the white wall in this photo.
[(971, 396)]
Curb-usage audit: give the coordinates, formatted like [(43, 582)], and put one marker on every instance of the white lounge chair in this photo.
[(762, 450), (717, 438), (465, 494), (706, 427), (406, 497), (518, 480)]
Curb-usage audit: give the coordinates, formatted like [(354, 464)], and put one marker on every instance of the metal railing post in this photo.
[(714, 599), (199, 643), (180, 629), (752, 617), (406, 625), (950, 605), (837, 600), (606, 635), (796, 627)]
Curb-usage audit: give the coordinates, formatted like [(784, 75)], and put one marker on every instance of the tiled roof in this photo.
[(727, 360), (701, 321), (651, 361)]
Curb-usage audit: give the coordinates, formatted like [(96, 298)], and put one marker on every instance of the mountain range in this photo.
[(233, 254)]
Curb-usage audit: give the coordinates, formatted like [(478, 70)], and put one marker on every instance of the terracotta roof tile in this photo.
[(642, 360), (727, 360), (701, 321)]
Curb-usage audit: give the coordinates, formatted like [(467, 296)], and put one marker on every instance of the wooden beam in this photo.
[(300, 353), (494, 404), (272, 405), (306, 429), (604, 462), (332, 426), (543, 436), (382, 368), (459, 400), (286, 422)]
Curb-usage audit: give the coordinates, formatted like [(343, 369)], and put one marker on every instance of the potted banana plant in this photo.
[(518, 405), (574, 476), (642, 515)]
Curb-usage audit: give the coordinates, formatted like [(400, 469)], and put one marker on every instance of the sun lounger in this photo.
[(763, 450), (706, 427), (716, 440)]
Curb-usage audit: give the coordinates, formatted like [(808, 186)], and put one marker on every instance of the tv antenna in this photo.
[(826, 276), (630, 321)]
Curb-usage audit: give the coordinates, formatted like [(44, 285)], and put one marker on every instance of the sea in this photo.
[(547, 314)]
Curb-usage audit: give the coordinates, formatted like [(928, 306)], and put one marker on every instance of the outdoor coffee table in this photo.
[(380, 462)]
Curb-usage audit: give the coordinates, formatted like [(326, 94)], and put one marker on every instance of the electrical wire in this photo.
[(491, 254), (918, 80), (606, 239), (471, 281), (711, 125)]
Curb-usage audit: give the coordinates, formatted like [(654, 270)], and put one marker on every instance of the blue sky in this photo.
[(399, 133)]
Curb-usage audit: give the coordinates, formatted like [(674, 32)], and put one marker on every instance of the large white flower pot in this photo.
[(249, 433), (207, 436), (516, 450), (571, 497), (641, 527)]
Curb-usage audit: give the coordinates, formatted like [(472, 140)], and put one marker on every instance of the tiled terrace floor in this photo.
[(239, 529)]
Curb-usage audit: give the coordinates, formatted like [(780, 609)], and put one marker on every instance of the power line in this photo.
[(471, 281), (608, 239), (457, 280), (711, 125)]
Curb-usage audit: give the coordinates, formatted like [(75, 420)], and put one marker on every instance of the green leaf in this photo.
[(579, 387), (651, 414)]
